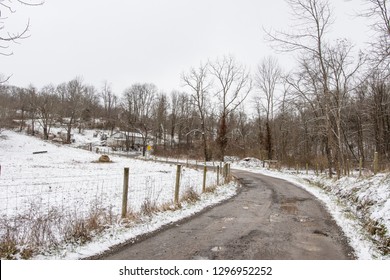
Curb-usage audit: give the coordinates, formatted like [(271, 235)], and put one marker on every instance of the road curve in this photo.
[(268, 219)]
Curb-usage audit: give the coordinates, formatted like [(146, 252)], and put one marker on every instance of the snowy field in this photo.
[(360, 206), (72, 179), (72, 182)]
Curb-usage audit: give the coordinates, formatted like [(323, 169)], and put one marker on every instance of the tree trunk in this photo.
[(45, 132), (222, 137), (68, 133), (269, 140)]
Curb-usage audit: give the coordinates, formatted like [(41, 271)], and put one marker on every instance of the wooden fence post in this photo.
[(225, 172), (307, 168), (204, 178), (177, 185), (125, 192), (360, 166), (376, 163), (217, 175)]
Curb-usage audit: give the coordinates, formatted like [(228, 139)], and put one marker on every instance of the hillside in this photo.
[(61, 200)]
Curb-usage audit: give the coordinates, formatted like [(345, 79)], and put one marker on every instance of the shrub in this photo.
[(191, 196)]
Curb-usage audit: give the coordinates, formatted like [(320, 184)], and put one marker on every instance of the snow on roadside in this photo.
[(71, 180), (120, 233), (351, 201)]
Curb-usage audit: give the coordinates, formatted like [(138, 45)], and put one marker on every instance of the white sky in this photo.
[(128, 41)]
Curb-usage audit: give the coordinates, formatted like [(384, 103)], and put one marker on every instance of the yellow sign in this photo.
[(149, 147)]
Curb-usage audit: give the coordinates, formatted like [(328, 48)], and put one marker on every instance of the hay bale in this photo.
[(104, 158)]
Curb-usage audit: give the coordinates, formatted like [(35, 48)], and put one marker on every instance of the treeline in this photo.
[(331, 110), (291, 129)]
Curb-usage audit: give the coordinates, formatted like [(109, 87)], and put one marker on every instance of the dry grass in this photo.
[(131, 217), (25, 234), (211, 189), (168, 206), (10, 248), (149, 208), (34, 231), (28, 234), (190, 196), (45, 230)]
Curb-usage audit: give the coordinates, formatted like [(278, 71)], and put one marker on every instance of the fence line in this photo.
[(81, 193)]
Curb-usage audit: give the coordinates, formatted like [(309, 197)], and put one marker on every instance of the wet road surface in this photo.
[(268, 219)]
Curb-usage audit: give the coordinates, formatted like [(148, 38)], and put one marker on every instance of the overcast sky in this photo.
[(128, 41)]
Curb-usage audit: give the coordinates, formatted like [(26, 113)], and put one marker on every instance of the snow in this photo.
[(352, 201), (73, 182)]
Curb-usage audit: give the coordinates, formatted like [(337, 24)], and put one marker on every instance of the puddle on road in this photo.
[(303, 219), (274, 218), (320, 232), (200, 258), (228, 219), (217, 249), (289, 208)]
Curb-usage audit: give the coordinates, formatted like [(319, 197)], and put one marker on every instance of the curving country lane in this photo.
[(268, 219)]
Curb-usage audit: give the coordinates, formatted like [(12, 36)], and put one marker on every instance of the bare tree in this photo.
[(92, 106), (46, 108), (110, 106), (239, 132), (71, 98), (198, 81), (21, 104), (233, 86), (137, 105), (8, 37), (8, 101), (377, 107), (379, 12), (32, 97), (342, 70), (283, 124), (267, 76), (173, 117), (185, 119), (312, 18), (160, 114)]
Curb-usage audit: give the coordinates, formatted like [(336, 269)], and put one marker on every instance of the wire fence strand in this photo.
[(69, 193)]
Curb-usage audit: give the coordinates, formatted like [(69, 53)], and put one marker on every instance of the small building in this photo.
[(120, 138), (63, 135)]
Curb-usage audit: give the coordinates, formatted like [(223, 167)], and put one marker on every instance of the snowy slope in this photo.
[(359, 205), (72, 182)]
